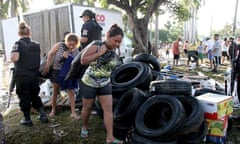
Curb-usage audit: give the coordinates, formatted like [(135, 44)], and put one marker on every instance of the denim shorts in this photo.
[(88, 92)]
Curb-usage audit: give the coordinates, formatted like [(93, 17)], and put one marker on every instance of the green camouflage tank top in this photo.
[(98, 73)]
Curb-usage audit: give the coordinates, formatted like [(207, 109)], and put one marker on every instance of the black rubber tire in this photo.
[(172, 73), (130, 75), (160, 115), (195, 137), (121, 131), (194, 113), (149, 59), (126, 109), (157, 75), (171, 87), (139, 139), (77, 69), (99, 109), (230, 123)]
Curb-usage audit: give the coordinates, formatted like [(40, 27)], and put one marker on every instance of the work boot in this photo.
[(26, 122), (43, 116)]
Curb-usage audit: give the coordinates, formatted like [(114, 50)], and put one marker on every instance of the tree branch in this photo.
[(123, 4), (153, 7)]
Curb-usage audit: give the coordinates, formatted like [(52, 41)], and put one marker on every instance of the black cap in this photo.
[(87, 12)]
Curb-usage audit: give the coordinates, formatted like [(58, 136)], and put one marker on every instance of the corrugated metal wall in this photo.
[(49, 26)]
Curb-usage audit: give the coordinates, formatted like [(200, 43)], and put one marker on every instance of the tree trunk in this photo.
[(139, 28), (156, 44), (13, 8)]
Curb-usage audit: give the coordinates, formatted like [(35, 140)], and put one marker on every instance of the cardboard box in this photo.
[(217, 127), (216, 106)]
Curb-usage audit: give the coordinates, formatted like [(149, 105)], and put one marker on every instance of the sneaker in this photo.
[(214, 70), (43, 118), (26, 122)]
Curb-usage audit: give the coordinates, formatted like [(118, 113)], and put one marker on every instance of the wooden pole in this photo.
[(235, 18)]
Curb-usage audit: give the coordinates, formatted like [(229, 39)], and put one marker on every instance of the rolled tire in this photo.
[(76, 70), (159, 116), (171, 87), (138, 139), (157, 75), (126, 109), (194, 113), (99, 109), (149, 59), (121, 131), (171, 74), (196, 136), (130, 75)]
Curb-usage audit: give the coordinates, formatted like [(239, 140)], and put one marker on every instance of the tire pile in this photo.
[(150, 110)]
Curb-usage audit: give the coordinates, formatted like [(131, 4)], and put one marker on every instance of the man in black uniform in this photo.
[(232, 50), (26, 58), (90, 31)]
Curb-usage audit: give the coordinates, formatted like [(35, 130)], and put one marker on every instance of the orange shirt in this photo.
[(175, 48)]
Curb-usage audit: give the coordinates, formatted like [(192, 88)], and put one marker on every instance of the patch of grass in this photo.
[(218, 76), (42, 133)]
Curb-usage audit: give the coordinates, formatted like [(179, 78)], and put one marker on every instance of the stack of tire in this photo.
[(169, 116), (130, 84), (149, 110)]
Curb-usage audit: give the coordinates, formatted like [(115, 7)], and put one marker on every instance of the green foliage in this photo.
[(4, 10), (16, 7), (82, 2), (181, 13), (103, 3), (163, 35), (60, 1), (227, 31), (171, 31)]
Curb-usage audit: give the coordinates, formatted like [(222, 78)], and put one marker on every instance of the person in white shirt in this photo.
[(208, 49), (225, 46), (200, 49), (216, 52)]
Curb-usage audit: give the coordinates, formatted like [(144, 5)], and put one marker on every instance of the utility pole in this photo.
[(235, 18), (156, 32)]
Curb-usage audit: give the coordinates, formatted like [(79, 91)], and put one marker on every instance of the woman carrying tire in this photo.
[(96, 80)]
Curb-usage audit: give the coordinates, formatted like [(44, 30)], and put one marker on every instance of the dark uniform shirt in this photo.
[(29, 60), (89, 30), (232, 50)]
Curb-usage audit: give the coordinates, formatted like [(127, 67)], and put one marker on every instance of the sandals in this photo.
[(52, 114), (84, 133), (75, 116), (116, 141)]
